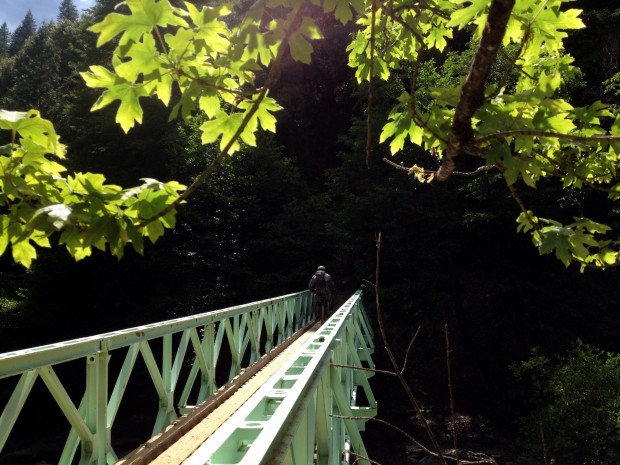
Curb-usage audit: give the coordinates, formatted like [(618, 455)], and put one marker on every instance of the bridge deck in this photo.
[(186, 435)]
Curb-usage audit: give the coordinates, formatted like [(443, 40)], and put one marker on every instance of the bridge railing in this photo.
[(189, 355), (310, 412)]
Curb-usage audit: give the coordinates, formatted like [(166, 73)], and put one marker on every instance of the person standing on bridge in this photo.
[(322, 285)]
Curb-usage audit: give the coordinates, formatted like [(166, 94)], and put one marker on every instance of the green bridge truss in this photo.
[(306, 414)]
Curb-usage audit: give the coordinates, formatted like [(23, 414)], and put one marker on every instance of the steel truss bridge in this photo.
[(310, 411)]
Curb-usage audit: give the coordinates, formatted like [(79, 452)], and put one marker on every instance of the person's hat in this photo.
[(321, 268)]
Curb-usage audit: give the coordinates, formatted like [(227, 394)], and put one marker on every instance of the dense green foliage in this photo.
[(302, 196), (518, 123), (577, 405)]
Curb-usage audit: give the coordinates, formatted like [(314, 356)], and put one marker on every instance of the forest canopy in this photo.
[(223, 62)]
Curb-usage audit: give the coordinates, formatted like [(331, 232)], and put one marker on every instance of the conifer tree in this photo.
[(5, 40), (67, 11), (27, 27)]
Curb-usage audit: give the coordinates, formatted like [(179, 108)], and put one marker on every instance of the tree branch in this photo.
[(450, 390), (554, 135), (472, 93), (415, 336), (466, 174), (373, 370)]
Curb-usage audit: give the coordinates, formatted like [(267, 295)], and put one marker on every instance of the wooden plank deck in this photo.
[(182, 438)]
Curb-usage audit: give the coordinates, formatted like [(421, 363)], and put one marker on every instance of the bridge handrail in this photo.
[(15, 362), (251, 330)]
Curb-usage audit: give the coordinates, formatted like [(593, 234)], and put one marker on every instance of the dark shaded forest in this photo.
[(534, 345)]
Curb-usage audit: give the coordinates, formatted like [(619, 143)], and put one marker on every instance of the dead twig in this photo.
[(374, 370), (359, 457), (465, 174), (452, 409), (544, 444), (483, 458), (390, 354), (415, 336)]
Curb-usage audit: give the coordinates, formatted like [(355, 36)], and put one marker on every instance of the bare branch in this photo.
[(374, 370), (395, 428), (544, 444), (361, 457), (451, 392), (483, 457), (415, 336), (466, 174), (472, 93), (513, 192)]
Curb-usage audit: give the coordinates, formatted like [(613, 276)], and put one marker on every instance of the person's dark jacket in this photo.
[(317, 288)]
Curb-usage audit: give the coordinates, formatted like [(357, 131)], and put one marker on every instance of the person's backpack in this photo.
[(320, 284)]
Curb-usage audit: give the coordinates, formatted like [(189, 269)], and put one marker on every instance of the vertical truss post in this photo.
[(254, 322), (270, 325), (290, 313), (211, 351), (97, 405), (234, 342), (281, 321)]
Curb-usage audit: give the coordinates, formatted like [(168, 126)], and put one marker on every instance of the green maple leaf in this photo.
[(4, 233), (145, 16), (140, 58), (555, 19), (210, 104), (310, 29), (33, 128), (99, 77), (437, 37), (301, 49), (207, 13), (180, 41), (154, 231), (263, 113), (463, 16), (164, 88), (215, 36), (129, 110), (222, 125), (343, 11), (23, 252), (75, 244)]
